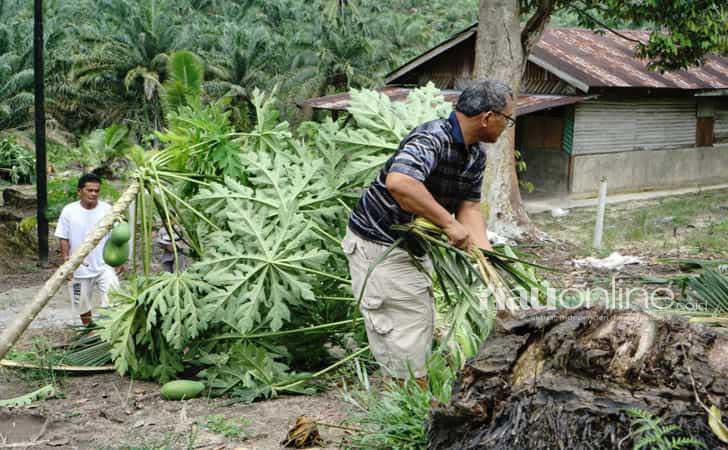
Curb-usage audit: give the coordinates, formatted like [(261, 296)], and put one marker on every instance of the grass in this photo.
[(171, 441), (44, 355), (393, 416), (233, 428), (686, 225), (230, 428)]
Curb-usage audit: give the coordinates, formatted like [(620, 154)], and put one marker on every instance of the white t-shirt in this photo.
[(74, 224)]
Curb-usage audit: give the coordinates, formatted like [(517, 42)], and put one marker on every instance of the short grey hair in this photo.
[(484, 95)]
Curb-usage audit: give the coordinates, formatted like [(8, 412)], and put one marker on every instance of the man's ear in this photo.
[(484, 117)]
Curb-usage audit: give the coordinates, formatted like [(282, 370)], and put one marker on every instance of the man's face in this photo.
[(89, 194), (495, 122)]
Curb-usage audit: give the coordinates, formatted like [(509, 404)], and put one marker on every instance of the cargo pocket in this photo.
[(348, 245), (374, 311)]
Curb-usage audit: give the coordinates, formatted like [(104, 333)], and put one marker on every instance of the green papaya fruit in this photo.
[(120, 234), (181, 389), (115, 255)]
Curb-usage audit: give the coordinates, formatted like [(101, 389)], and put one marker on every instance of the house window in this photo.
[(704, 132)]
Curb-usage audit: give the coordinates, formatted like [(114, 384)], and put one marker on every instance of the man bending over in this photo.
[(436, 173)]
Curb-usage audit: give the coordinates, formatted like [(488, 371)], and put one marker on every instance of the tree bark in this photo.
[(563, 379), (16, 329), (500, 52)]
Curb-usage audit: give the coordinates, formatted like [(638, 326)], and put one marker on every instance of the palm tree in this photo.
[(399, 37), (242, 59), (124, 60), (184, 85), (333, 56), (16, 75)]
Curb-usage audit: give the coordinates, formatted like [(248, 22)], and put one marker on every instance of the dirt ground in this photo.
[(107, 411), (111, 412)]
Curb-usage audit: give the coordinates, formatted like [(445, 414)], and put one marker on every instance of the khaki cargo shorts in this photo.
[(397, 306)]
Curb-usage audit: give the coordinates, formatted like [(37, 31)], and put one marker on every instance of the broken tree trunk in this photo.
[(563, 379), (18, 326)]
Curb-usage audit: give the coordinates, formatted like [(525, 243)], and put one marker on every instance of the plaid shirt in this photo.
[(433, 153)]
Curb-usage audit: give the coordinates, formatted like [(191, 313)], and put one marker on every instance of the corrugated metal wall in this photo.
[(635, 124), (720, 126)]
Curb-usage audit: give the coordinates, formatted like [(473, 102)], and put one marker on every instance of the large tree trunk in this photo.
[(500, 52), (562, 380)]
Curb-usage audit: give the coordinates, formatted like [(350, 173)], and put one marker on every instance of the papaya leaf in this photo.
[(269, 133), (173, 305), (248, 372), (261, 266), (152, 321)]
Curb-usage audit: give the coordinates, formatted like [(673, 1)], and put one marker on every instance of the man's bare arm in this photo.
[(65, 248), (471, 216), (413, 197)]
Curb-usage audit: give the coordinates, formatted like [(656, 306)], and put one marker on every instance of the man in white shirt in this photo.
[(76, 221)]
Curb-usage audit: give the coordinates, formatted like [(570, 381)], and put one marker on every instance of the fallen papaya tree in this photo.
[(261, 212)]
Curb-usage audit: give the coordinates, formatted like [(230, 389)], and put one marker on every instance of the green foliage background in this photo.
[(106, 61)]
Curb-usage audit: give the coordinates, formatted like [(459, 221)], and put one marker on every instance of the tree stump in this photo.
[(563, 379)]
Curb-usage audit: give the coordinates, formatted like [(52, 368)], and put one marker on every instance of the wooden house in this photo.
[(589, 108)]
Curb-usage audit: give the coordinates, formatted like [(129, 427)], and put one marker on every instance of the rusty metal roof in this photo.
[(526, 103), (608, 61), (586, 59)]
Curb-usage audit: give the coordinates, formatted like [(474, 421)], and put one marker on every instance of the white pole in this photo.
[(599, 226)]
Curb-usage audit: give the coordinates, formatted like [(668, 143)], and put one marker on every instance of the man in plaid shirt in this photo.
[(436, 173)]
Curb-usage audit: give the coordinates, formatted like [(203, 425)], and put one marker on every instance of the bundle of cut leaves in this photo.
[(87, 348), (474, 283)]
